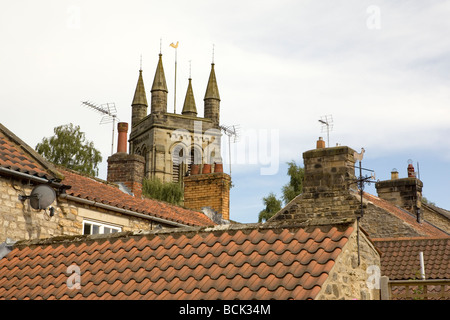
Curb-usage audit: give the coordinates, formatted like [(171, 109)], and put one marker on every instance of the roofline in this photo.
[(411, 238), (46, 164), (121, 210), (32, 178)]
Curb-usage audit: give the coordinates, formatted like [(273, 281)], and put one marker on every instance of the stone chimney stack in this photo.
[(123, 168), (405, 192), (211, 188), (327, 197)]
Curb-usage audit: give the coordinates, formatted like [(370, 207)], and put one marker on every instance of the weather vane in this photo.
[(175, 46)]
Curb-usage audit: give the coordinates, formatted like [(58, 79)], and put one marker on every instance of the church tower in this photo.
[(169, 142)]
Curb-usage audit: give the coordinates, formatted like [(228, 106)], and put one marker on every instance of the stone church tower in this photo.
[(172, 143)]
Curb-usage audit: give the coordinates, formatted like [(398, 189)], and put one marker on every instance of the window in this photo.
[(91, 227)]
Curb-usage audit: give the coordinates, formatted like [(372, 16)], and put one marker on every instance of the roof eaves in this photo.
[(36, 156)]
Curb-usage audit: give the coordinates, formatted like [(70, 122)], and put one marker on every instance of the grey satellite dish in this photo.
[(42, 196)]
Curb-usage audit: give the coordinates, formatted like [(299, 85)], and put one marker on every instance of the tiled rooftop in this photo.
[(94, 189), (400, 257), (15, 155), (224, 262), (425, 228)]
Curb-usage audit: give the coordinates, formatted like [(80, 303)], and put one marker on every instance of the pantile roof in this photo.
[(424, 228), (400, 257), (17, 156), (224, 262), (89, 188)]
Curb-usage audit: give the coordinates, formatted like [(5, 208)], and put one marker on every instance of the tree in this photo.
[(273, 205), (290, 190), (69, 148), (169, 191), (295, 185)]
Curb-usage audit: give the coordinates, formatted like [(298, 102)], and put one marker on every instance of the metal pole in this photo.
[(112, 142), (229, 151), (175, 90)]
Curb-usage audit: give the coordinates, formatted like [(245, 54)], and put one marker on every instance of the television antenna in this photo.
[(232, 132), (327, 124), (109, 112)]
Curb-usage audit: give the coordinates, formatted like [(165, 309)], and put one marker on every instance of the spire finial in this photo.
[(140, 66), (160, 45), (213, 53), (190, 69)]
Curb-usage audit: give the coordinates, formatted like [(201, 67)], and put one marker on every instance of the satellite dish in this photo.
[(42, 196)]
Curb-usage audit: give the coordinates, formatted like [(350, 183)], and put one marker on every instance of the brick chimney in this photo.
[(405, 192), (123, 168), (210, 189)]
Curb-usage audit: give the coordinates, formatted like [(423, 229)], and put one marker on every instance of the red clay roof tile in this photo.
[(84, 187), (400, 257), (181, 264)]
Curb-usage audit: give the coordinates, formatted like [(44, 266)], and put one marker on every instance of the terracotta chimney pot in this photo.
[(320, 143), (122, 128)]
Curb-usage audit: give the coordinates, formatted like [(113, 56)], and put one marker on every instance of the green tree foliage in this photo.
[(295, 185), (290, 190), (272, 206), (69, 148), (171, 192)]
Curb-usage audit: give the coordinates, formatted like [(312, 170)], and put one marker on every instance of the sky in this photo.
[(379, 70)]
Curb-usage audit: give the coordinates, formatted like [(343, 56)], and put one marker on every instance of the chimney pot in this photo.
[(394, 174), (320, 143), (206, 168), (122, 128), (218, 167), (411, 173)]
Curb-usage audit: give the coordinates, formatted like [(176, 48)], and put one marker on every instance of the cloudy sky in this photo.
[(381, 69)]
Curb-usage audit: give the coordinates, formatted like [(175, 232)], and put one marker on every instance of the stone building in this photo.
[(170, 143), (319, 254), (182, 148), (82, 204), (330, 192)]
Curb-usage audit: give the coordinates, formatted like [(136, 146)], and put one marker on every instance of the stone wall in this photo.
[(348, 280), (208, 190)]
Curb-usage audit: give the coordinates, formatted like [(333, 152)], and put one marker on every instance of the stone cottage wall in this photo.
[(347, 280)]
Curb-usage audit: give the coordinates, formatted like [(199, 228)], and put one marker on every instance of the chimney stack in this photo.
[(208, 189), (394, 174), (123, 168), (327, 197), (122, 128), (405, 192)]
